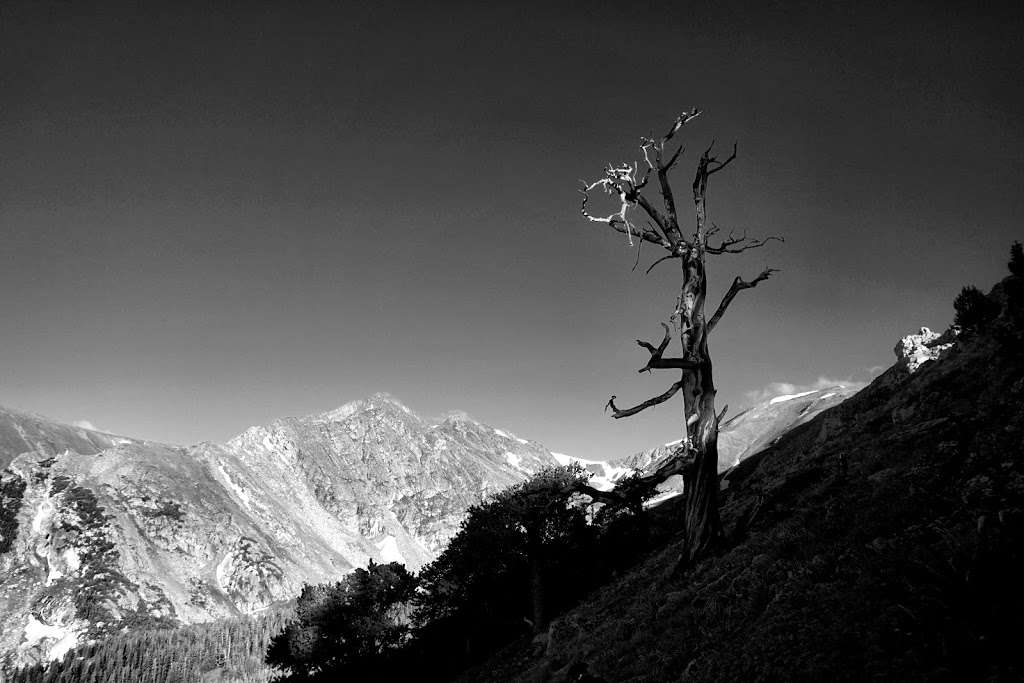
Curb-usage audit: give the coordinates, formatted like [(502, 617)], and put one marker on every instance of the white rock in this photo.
[(915, 350)]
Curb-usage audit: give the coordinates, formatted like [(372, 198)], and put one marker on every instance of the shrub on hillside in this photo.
[(974, 310), (518, 559), (344, 630), (1016, 264)]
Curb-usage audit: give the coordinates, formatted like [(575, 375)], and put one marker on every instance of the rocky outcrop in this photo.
[(914, 350), (134, 534)]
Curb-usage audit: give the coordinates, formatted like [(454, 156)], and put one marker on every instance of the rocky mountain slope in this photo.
[(22, 432), (881, 540), (101, 533)]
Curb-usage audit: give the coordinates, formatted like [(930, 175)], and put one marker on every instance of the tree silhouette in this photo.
[(346, 629), (974, 310), (696, 457), (1016, 264), (506, 563)]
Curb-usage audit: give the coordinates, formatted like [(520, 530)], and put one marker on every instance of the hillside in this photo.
[(130, 534), (744, 434), (881, 540)]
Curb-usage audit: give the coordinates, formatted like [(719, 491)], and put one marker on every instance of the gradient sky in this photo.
[(213, 218)]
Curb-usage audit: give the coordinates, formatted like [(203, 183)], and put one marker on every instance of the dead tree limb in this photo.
[(661, 346), (659, 166), (738, 285), (738, 244), (722, 164), (663, 258), (656, 362), (660, 398), (618, 221), (676, 463)]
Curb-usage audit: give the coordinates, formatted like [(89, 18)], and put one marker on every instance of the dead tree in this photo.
[(696, 458)]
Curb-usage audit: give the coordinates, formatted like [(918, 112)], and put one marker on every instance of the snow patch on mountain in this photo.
[(65, 637), (229, 483), (42, 516), (790, 397), (662, 497), (514, 460), (389, 551), (604, 474)]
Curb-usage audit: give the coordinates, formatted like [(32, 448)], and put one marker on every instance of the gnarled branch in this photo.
[(722, 164), (670, 223), (610, 497), (661, 346), (657, 216), (663, 258), (618, 221), (675, 157), (737, 285), (734, 244), (706, 167), (624, 180), (656, 362), (676, 463), (681, 121), (661, 398)]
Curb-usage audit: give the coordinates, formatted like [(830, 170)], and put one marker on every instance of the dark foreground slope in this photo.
[(884, 540)]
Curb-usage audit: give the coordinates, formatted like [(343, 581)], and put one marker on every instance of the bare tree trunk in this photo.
[(538, 586), (702, 525)]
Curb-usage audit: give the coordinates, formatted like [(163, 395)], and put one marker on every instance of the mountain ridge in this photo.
[(299, 499), (133, 533)]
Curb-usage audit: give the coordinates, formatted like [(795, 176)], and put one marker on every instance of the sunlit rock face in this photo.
[(914, 350), (127, 533)]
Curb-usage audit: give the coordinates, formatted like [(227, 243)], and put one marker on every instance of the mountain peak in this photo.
[(349, 409), (457, 416)]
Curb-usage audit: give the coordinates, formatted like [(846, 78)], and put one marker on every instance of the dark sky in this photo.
[(212, 218)]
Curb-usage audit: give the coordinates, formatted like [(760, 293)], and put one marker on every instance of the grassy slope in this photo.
[(907, 566)]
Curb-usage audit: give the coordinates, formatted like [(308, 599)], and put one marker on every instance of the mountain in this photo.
[(100, 533), (880, 540), (22, 432)]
